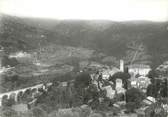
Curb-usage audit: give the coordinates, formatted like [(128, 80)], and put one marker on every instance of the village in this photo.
[(124, 91), (137, 76), (83, 58)]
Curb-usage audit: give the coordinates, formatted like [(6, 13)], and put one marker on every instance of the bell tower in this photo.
[(122, 65)]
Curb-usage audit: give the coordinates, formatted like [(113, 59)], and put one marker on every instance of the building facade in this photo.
[(139, 69)]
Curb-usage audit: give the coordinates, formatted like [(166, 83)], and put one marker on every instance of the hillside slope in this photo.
[(110, 38)]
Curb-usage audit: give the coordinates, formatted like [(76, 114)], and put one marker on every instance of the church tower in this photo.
[(122, 65)]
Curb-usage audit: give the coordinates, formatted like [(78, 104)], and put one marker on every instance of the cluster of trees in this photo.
[(158, 86), (78, 92), (34, 112), (41, 111), (12, 81), (134, 99), (6, 61), (59, 96), (8, 82)]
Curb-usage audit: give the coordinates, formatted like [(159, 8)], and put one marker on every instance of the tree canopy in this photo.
[(6, 61), (152, 74), (134, 98), (82, 80)]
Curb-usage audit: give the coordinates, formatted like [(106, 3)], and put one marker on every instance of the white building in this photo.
[(119, 83), (110, 92), (139, 69), (119, 86), (141, 82), (122, 65), (20, 55)]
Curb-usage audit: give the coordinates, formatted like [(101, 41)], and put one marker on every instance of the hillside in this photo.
[(110, 38)]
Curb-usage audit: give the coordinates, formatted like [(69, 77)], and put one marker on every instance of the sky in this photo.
[(116, 10)]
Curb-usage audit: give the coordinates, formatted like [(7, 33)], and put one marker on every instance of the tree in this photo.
[(152, 74), (7, 102), (121, 75), (164, 89), (155, 110), (134, 98), (82, 80), (154, 88), (151, 91), (8, 112), (38, 112), (6, 61), (137, 53), (130, 106)]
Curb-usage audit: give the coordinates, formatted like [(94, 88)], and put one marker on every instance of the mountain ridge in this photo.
[(110, 38)]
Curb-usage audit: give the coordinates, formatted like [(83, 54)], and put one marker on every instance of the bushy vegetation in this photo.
[(83, 111), (134, 98), (6, 61), (159, 86)]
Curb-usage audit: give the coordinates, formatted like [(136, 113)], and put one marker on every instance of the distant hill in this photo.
[(107, 37)]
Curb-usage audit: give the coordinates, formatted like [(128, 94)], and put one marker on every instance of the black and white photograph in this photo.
[(83, 58)]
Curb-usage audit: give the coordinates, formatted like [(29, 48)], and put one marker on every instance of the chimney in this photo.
[(122, 65)]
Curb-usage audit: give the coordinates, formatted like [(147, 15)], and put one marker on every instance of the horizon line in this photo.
[(75, 19)]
